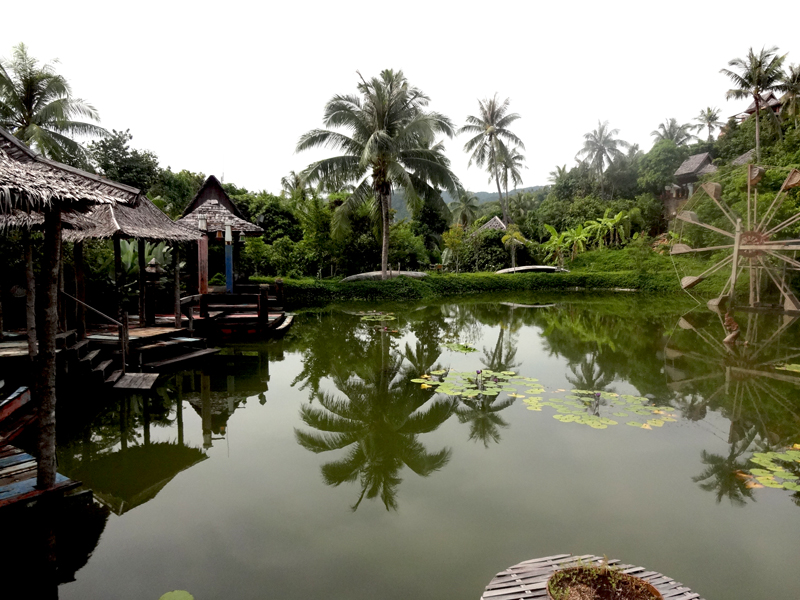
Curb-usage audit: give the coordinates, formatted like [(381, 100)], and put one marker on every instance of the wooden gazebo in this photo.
[(213, 212), (31, 183), (143, 222)]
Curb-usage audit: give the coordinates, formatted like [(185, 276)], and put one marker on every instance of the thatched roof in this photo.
[(768, 99), (493, 223), (214, 203), (217, 216), (31, 182), (693, 167), (142, 222), (745, 158)]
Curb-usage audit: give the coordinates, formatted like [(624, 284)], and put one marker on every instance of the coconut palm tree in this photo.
[(559, 175), (293, 186), (511, 168), (491, 133), (37, 107), (671, 130), (790, 101), (465, 209), (753, 76), (600, 147), (388, 142), (708, 119), (512, 240)]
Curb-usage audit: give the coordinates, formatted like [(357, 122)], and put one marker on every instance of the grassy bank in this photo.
[(302, 292), (626, 269)]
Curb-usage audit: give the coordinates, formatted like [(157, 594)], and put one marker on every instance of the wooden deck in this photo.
[(18, 472), (136, 381), (529, 579)]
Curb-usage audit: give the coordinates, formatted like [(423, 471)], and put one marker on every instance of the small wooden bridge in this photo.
[(529, 579)]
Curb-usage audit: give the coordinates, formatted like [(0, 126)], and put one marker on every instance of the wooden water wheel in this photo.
[(757, 243)]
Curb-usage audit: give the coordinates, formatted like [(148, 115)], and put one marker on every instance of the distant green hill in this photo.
[(399, 199)]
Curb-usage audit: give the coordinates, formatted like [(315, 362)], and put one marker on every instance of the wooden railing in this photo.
[(122, 327)]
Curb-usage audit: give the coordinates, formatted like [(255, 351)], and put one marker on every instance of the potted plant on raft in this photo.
[(598, 582)]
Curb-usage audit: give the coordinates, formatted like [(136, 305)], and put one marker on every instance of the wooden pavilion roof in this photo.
[(212, 202), (145, 221), (29, 182)]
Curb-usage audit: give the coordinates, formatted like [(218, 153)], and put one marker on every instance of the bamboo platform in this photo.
[(18, 471), (529, 579)]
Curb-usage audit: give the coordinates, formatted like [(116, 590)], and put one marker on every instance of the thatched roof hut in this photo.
[(694, 167), (29, 182), (213, 203), (493, 223), (145, 221)]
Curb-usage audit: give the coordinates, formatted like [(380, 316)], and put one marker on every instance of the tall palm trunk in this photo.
[(45, 386), (757, 98), (384, 196), (30, 295), (497, 181)]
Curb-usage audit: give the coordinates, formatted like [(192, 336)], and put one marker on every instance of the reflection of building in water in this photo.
[(223, 386)]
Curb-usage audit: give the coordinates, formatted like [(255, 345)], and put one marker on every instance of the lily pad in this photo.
[(419, 381), (791, 485), (768, 482)]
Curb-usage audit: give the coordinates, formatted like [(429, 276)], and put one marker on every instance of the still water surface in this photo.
[(312, 467)]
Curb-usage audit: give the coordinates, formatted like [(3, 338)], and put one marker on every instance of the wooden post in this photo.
[(176, 259), (202, 265), (279, 292), (146, 418), (142, 283), (1, 301), (45, 381), (205, 412), (30, 295), (80, 289), (228, 259), (118, 275), (735, 272), (123, 422), (179, 407), (62, 303)]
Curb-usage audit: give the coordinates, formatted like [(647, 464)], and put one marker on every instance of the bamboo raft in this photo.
[(528, 579)]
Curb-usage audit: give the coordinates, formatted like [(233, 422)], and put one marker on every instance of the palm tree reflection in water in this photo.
[(378, 418)]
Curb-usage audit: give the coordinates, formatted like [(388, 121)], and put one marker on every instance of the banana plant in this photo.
[(554, 247)]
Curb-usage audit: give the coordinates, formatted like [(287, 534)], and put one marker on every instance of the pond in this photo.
[(317, 467)]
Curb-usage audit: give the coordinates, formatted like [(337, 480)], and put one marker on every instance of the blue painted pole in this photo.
[(229, 268)]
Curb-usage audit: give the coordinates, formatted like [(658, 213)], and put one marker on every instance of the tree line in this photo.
[(337, 216)]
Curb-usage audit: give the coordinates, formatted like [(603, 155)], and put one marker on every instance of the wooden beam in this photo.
[(202, 265), (176, 259), (142, 283), (118, 275), (80, 289)]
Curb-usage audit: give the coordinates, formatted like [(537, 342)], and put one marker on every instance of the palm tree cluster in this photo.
[(758, 74), (495, 147), (37, 107)]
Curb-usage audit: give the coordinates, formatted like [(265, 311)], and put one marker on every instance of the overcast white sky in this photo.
[(228, 87)]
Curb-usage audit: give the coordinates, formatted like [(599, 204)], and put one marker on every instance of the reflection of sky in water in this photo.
[(256, 519)]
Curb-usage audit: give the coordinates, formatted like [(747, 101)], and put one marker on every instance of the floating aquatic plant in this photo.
[(378, 316), (779, 470), (457, 347)]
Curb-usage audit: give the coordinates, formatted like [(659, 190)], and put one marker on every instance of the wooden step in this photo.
[(136, 381), (167, 348), (65, 339), (176, 360), (90, 358), (102, 369), (80, 348), (232, 307), (114, 376)]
